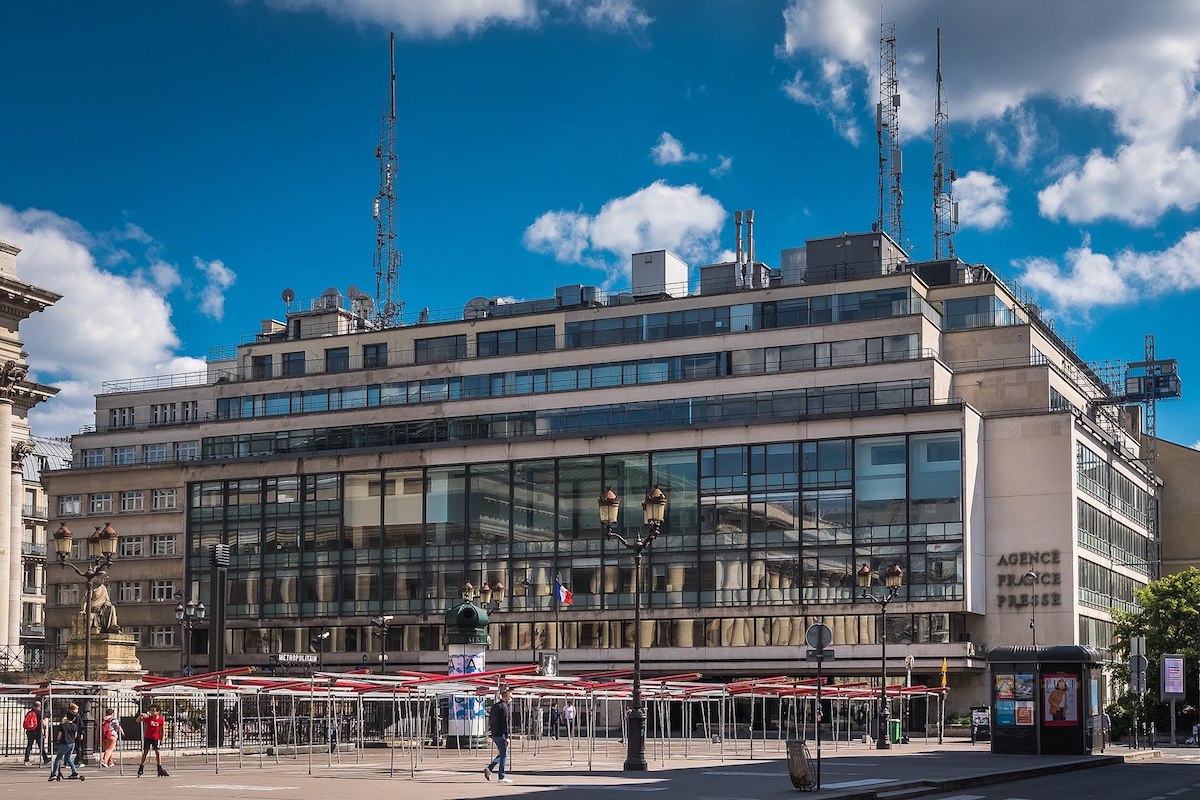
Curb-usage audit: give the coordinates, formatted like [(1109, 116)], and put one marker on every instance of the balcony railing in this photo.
[(32, 549), (31, 511)]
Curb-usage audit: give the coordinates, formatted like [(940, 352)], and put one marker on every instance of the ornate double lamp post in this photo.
[(102, 548), (893, 578), (381, 625), (188, 615), (317, 642), (654, 509)]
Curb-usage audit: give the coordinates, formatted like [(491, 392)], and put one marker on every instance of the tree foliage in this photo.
[(1170, 620)]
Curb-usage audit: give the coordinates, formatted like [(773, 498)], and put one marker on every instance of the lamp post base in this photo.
[(882, 741), (635, 737)]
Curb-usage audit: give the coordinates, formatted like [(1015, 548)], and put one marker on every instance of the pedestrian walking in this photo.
[(110, 731), (152, 734), (64, 738), (555, 719), (536, 721), (34, 724), (568, 716), (500, 727), (331, 733)]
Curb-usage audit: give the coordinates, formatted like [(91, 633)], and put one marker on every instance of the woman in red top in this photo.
[(153, 725)]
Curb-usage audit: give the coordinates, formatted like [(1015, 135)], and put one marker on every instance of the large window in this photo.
[(879, 481), (337, 359), (441, 348), (165, 499), (70, 505), (516, 340), (133, 501), (101, 503), (935, 478), (293, 363)]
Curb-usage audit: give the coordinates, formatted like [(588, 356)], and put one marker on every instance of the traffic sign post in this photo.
[(818, 637)]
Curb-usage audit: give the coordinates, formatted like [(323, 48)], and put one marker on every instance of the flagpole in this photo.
[(557, 624)]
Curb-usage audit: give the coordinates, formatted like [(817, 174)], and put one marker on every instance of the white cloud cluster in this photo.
[(678, 218), (440, 19), (1138, 71), (982, 201), (218, 279), (669, 150), (1086, 279), (106, 325)]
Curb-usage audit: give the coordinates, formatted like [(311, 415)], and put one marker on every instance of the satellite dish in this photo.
[(288, 296), (476, 308), (352, 292), (367, 302)]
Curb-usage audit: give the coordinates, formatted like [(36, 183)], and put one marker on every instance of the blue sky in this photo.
[(171, 167)]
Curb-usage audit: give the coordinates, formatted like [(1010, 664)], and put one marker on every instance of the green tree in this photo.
[(1170, 620)]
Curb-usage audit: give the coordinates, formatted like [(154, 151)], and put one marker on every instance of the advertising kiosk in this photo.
[(1042, 698)]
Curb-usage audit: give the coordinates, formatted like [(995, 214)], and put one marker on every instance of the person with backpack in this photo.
[(110, 731), (35, 732), (153, 725), (500, 726), (64, 738)]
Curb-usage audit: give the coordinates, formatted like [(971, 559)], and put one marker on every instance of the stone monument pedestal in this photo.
[(113, 657)]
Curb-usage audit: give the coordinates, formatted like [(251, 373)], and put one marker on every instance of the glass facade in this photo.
[(777, 525), (660, 414)]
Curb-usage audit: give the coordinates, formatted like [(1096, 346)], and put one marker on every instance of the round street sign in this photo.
[(818, 636)]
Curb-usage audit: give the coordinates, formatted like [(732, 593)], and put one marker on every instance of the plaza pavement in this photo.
[(850, 771)]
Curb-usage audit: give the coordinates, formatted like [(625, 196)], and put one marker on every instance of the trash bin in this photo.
[(894, 731), (799, 767)]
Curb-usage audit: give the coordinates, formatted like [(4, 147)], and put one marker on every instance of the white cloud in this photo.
[(678, 218), (615, 15), (106, 326), (1137, 71), (982, 201), (669, 150), (1087, 279), (724, 164), (218, 278), (441, 19), (1024, 137)]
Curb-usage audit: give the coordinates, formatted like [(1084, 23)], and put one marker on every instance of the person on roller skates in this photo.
[(152, 734)]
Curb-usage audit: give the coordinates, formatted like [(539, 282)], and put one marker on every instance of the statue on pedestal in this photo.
[(104, 613)]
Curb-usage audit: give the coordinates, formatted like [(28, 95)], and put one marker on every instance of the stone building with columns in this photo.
[(18, 301), (851, 407)]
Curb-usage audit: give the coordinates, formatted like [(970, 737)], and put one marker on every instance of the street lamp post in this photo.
[(102, 548), (1031, 578), (654, 508), (893, 577), (318, 642), (381, 626), (188, 615)]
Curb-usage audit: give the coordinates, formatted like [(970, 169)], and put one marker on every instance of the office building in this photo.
[(850, 407)]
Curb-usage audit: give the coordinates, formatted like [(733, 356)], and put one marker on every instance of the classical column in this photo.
[(8, 543), (20, 451)]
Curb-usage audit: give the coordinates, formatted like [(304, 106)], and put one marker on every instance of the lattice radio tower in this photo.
[(887, 132), (387, 255), (945, 210)]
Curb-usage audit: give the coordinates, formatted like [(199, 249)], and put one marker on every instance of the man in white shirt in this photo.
[(568, 716)]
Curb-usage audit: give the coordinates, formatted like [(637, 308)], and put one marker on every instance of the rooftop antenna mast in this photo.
[(387, 255), (945, 210), (887, 132)]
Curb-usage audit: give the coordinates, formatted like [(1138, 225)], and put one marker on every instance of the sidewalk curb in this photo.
[(903, 791)]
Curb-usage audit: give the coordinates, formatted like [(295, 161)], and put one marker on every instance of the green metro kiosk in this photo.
[(1044, 699)]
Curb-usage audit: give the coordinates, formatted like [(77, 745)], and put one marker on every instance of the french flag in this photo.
[(563, 593)]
